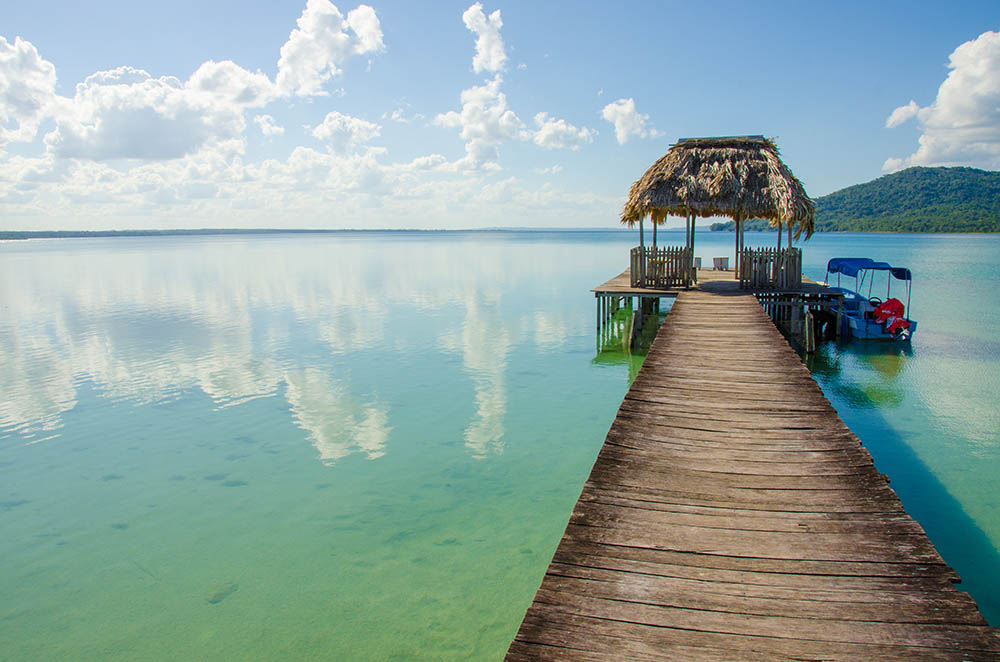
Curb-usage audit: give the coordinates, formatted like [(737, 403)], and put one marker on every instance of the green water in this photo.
[(929, 413), (366, 445)]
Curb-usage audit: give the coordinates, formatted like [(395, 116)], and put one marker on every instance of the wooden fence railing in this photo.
[(769, 268), (661, 268)]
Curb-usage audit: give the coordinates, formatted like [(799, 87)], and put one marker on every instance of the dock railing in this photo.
[(769, 268), (661, 268)]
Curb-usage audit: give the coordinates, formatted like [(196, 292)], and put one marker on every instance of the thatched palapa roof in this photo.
[(740, 177)]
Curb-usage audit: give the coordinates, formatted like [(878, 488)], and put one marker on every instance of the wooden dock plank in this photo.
[(636, 640), (761, 570), (872, 607), (731, 515)]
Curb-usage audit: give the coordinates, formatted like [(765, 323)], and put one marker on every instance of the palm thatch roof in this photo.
[(740, 177)]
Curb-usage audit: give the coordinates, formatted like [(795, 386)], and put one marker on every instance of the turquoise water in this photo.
[(929, 414), (366, 445)]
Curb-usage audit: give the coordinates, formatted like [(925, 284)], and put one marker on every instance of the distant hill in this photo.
[(911, 200)]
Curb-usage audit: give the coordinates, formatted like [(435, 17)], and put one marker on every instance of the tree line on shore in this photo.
[(913, 200)]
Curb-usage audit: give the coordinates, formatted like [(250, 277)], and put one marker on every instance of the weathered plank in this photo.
[(731, 515), (872, 607), (635, 640)]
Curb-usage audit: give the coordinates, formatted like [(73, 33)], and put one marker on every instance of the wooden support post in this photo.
[(600, 318), (604, 320), (840, 312), (601, 332), (597, 326), (810, 332)]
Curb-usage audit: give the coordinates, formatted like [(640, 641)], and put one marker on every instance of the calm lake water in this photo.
[(367, 445)]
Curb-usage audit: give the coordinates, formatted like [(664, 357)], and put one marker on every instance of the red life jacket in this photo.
[(891, 311), (889, 308), (898, 324)]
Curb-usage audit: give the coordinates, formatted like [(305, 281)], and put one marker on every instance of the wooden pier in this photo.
[(800, 310), (731, 515)]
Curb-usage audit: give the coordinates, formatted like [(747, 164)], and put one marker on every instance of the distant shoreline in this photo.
[(83, 234), (14, 235)]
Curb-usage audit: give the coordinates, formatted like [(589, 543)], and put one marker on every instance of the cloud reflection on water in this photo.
[(485, 345), (145, 320), (336, 423)]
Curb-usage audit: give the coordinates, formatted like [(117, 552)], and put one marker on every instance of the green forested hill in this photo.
[(913, 200)]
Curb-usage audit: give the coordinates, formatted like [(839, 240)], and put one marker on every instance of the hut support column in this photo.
[(739, 259), (743, 243), (642, 255), (776, 271), (736, 262), (694, 275)]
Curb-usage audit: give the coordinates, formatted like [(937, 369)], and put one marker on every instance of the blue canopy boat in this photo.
[(869, 317)]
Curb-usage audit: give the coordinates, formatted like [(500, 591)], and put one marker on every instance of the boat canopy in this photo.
[(850, 266)]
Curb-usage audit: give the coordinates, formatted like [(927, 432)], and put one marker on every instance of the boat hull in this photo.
[(858, 327)]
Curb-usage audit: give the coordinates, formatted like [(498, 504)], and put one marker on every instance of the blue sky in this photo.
[(461, 115)]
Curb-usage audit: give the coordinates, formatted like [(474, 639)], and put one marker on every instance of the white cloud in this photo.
[(551, 170), (485, 123), (27, 90), (490, 55), (127, 114), (322, 42), (343, 133), (127, 149), (893, 164), (230, 84), (366, 27), (556, 134), (962, 126), (325, 176), (267, 125), (429, 162), (399, 115), (628, 122), (902, 114)]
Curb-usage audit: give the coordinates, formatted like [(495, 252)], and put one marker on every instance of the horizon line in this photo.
[(47, 234)]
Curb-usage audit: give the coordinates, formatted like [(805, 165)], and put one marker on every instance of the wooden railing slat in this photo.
[(764, 268)]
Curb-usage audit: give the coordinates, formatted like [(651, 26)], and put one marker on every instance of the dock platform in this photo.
[(711, 279), (732, 515)]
